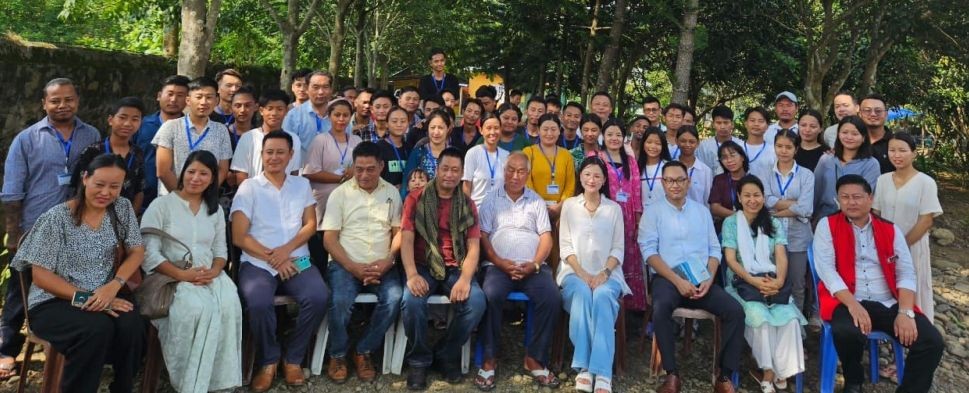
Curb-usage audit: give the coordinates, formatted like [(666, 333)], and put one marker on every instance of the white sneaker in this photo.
[(766, 387), (780, 383)]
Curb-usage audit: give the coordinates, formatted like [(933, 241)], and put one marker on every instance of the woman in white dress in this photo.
[(201, 336), (910, 199), (484, 164)]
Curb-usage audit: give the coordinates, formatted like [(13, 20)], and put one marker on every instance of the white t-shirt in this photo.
[(485, 171), (761, 158), (701, 181), (172, 135), (248, 155)]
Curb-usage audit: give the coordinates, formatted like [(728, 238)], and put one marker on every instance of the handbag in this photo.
[(750, 293), (157, 291), (120, 253)]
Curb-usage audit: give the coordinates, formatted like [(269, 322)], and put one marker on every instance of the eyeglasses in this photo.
[(869, 111), (678, 181)]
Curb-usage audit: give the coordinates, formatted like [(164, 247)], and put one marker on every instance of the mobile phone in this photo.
[(302, 263), (80, 297)]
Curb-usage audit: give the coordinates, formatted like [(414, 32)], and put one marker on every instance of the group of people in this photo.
[(322, 198)]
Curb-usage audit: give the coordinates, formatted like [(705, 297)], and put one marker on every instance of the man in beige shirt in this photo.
[(361, 233)]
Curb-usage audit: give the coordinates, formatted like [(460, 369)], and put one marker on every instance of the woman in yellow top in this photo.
[(553, 169)]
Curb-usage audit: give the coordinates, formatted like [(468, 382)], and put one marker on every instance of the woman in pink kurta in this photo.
[(624, 189)]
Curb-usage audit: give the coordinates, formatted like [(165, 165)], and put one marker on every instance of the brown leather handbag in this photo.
[(157, 291)]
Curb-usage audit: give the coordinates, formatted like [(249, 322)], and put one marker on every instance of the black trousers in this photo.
[(12, 316), (718, 302), (923, 357), (88, 340)]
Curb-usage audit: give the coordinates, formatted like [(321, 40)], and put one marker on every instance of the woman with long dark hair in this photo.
[(852, 155), (426, 151), (78, 301), (655, 153), (812, 145), (592, 248), (201, 336), (723, 195), (753, 244)]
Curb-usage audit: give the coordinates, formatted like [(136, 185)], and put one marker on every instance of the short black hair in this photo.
[(853, 179), (301, 73), (228, 71), (650, 100), (176, 80), (535, 98), (437, 99), (673, 105), (486, 91), (367, 149), (436, 51), (451, 151), (271, 95), (128, 102), (848, 93), (674, 164), (575, 105), (345, 88), (515, 92), (247, 89), (279, 134), (384, 94), (59, 82), (201, 83), (875, 96), (407, 89), (604, 94), (553, 99), (723, 112)]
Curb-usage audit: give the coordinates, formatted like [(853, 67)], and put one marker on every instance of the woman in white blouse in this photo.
[(484, 164), (591, 242), (201, 336)]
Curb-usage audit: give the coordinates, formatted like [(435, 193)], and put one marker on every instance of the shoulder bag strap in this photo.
[(162, 234)]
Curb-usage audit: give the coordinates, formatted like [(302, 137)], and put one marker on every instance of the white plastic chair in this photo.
[(323, 335), (400, 343)]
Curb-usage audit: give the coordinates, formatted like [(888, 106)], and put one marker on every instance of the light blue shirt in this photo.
[(869, 278), (35, 160), (826, 176), (305, 123), (678, 234)]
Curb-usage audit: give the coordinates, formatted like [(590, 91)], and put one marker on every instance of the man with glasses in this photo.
[(874, 114), (687, 238), (652, 110)]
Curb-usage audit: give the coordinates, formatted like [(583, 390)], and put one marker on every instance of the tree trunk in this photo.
[(622, 78), (384, 71), (291, 28), (290, 44), (684, 57), (170, 38), (199, 18), (359, 70), (589, 49), (337, 36), (608, 65), (880, 43)]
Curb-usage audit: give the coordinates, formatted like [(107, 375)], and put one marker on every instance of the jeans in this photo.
[(797, 272), (257, 288), (546, 303), (592, 323), (467, 314), (345, 289)]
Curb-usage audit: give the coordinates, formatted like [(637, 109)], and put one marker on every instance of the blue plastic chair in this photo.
[(512, 297), (829, 356)]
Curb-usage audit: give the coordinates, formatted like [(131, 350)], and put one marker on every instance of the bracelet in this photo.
[(608, 271), (119, 280)]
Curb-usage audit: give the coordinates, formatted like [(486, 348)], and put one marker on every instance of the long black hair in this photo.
[(211, 194), (864, 151), (624, 158), (589, 161), (763, 219), (735, 147), (105, 160), (664, 154)]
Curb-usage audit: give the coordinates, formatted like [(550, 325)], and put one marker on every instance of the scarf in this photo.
[(426, 225), (843, 237), (755, 254)]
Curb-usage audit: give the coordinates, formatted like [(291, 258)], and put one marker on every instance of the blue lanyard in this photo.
[(436, 87), (188, 135), (343, 154), (396, 152), (319, 121), (733, 192), (65, 144), (107, 149), (758, 153), (651, 181), (428, 156), (490, 167), (551, 163), (565, 143), (691, 172), (676, 154), (612, 164), (783, 189)]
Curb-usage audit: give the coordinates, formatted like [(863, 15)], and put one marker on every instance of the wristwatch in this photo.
[(538, 266), (119, 280), (608, 271), (907, 312)]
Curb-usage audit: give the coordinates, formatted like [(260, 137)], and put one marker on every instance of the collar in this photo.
[(686, 202), (381, 185), (263, 181), (45, 124), (866, 227), (501, 192), (777, 170)]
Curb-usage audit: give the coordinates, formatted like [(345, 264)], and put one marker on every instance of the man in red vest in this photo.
[(868, 283)]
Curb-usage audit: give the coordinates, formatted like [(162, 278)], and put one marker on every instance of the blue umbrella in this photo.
[(901, 113)]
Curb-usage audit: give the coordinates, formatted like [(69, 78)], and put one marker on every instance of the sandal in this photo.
[(780, 383), (583, 382), (889, 372), (603, 385), (766, 387), (544, 378), (7, 370), (485, 380)]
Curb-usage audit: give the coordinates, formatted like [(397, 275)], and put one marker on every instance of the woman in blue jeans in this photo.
[(591, 243)]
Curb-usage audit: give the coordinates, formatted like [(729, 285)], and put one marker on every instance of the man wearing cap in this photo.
[(785, 108)]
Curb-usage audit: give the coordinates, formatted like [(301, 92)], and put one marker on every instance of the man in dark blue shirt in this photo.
[(171, 104)]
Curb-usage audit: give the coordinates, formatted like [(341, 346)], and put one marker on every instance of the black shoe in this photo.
[(417, 378), (450, 370), (852, 388)]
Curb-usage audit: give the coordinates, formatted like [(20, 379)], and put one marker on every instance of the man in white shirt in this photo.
[(516, 238), (247, 159), (868, 283), (273, 216), (680, 231), (709, 149), (785, 107), (845, 104), (360, 232)]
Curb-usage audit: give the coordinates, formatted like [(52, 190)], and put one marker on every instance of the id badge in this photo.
[(395, 167), (340, 171), (552, 189), (64, 179), (622, 197), (302, 263)]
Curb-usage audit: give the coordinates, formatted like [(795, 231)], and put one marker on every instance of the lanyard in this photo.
[(651, 181), (107, 149), (65, 144), (343, 154), (733, 192), (784, 188), (188, 135), (612, 164), (691, 172), (565, 143), (429, 156), (551, 163), (676, 153), (396, 152), (758, 153), (436, 86), (490, 167), (319, 121)]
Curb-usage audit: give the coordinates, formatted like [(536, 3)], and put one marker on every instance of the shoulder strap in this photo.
[(164, 235)]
